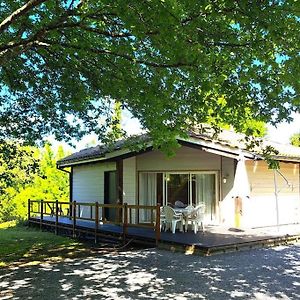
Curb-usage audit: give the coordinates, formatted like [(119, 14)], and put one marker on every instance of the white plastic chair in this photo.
[(162, 218), (172, 218), (189, 211), (197, 217)]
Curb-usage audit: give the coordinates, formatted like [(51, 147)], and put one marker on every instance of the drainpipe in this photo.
[(70, 183), (62, 169)]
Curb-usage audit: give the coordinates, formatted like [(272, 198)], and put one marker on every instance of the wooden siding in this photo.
[(260, 209), (129, 180), (186, 159)]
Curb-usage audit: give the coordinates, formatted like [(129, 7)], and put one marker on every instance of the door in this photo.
[(110, 194)]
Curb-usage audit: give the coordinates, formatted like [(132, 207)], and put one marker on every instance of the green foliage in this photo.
[(295, 139), (173, 64), (115, 132), (17, 165), (43, 182), (255, 128), (268, 153)]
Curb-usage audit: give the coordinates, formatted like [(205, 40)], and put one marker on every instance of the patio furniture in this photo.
[(179, 204), (197, 217), (190, 209), (162, 218), (186, 213), (172, 218)]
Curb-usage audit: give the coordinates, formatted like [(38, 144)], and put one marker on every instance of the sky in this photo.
[(284, 131), (280, 134)]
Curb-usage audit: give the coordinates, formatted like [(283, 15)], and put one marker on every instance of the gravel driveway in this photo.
[(156, 274)]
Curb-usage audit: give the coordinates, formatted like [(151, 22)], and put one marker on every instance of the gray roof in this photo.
[(100, 151), (92, 152), (224, 142)]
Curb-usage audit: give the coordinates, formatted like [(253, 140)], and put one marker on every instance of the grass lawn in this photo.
[(20, 244)]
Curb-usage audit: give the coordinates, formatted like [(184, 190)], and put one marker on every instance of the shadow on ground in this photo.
[(157, 274)]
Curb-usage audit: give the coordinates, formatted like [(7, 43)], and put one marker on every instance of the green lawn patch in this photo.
[(20, 244)]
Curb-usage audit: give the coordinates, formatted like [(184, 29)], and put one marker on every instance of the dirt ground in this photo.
[(156, 274)]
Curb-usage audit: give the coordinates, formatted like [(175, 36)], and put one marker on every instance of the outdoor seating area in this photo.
[(181, 216)]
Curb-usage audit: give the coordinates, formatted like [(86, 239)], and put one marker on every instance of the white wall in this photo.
[(130, 185), (186, 159), (228, 170), (129, 180), (88, 183)]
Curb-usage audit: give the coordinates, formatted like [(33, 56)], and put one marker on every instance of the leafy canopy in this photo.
[(172, 64), (295, 139)]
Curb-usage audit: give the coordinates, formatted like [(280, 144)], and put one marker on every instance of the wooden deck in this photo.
[(214, 240)]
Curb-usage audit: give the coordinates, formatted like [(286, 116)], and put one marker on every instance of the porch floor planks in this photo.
[(208, 242)]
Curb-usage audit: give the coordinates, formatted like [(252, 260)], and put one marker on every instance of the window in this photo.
[(177, 188)]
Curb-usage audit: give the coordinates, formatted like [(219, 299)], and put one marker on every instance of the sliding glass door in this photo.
[(177, 188), (150, 193), (205, 191), (190, 188)]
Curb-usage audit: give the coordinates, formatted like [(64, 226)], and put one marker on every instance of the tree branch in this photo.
[(120, 55), (106, 33), (231, 45), (19, 12)]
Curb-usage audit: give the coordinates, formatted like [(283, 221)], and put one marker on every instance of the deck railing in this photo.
[(123, 215)]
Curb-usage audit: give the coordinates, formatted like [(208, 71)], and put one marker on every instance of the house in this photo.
[(235, 184)]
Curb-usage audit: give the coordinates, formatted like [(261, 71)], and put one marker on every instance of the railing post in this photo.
[(74, 218), (103, 214), (41, 213), (157, 224), (28, 211), (118, 213), (56, 216), (96, 221), (125, 222), (70, 210)]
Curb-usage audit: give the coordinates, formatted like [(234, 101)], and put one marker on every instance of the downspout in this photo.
[(70, 181)]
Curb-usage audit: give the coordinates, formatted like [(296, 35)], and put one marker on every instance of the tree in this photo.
[(172, 64), (295, 139), (18, 165), (44, 182)]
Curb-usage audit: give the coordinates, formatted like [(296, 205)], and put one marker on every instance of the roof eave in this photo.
[(110, 156), (286, 158)]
